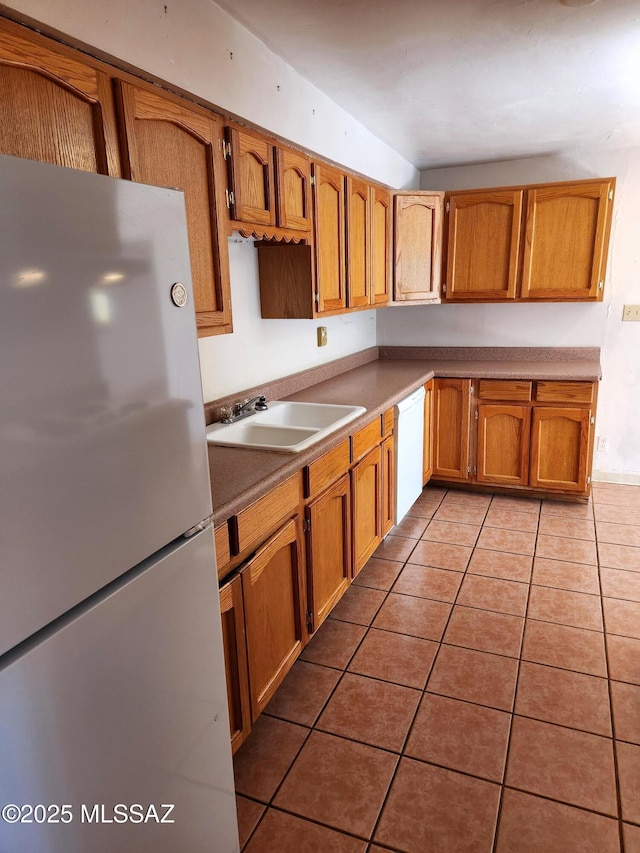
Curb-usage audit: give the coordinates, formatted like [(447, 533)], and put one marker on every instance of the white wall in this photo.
[(196, 46), (555, 324)]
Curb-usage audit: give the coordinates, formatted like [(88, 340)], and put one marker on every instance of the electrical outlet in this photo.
[(603, 443), (631, 313), (322, 336)]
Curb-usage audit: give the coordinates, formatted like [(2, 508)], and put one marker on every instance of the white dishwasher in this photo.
[(409, 429)]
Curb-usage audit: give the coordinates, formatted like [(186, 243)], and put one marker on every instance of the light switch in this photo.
[(631, 313), (322, 336)]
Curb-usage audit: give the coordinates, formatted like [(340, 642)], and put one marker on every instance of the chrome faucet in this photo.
[(244, 409)]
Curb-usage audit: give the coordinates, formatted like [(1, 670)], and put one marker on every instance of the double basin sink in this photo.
[(284, 427)]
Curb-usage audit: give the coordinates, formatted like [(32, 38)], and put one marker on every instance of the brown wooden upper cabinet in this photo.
[(55, 108), (546, 242), (250, 165), (293, 189), (380, 246), (173, 144), (328, 201), (417, 247), (358, 252)]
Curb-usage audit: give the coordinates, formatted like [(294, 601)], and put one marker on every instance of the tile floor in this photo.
[(476, 689)]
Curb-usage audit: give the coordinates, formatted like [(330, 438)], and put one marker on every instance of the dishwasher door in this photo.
[(409, 429)]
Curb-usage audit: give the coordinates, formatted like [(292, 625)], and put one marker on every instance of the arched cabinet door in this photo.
[(170, 143), (293, 196), (54, 108), (417, 240), (380, 246), (560, 442), (328, 193), (251, 177), (358, 249), (503, 444)]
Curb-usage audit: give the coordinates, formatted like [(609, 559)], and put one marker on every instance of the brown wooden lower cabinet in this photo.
[(503, 445), (451, 412), (272, 588), (388, 484), (427, 455), (560, 448), (328, 549), (366, 502), (235, 661)]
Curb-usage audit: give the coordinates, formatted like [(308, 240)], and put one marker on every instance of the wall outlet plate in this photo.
[(631, 313), (322, 336)]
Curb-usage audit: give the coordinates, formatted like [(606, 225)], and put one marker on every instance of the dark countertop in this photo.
[(239, 477)]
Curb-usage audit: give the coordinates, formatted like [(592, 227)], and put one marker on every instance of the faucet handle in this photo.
[(261, 404)]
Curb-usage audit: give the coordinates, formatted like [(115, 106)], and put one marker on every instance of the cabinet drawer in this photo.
[(505, 389), (327, 469), (565, 392), (366, 438), (253, 524), (223, 551), (387, 423)]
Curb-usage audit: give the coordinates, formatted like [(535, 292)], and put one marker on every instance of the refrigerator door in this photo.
[(102, 448), (124, 704)]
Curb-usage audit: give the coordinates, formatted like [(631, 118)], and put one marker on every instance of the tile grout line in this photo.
[(613, 729), (515, 696)]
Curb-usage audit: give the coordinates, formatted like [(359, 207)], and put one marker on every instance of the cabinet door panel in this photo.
[(380, 246), (329, 238), (293, 172), (388, 484), (427, 457), (503, 445), (251, 177), (417, 247), (358, 247), (172, 145), (366, 493), (566, 239), (235, 660), (329, 549), (452, 405), (484, 244), (54, 108), (272, 590), (560, 448)]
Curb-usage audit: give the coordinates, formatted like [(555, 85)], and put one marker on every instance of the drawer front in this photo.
[(505, 389), (365, 439), (327, 469), (254, 523), (387, 423), (565, 392), (223, 551)]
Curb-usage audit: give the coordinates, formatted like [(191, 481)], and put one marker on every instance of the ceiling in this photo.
[(447, 82)]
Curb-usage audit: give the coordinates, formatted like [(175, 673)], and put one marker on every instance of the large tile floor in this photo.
[(477, 689)]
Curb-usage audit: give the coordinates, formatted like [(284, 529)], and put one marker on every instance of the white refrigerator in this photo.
[(114, 730)]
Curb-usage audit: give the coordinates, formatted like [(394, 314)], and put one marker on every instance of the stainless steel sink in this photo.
[(284, 427)]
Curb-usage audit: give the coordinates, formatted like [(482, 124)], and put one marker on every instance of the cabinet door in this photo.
[(328, 549), (560, 448), (293, 197), (272, 589), (328, 198), (380, 246), (417, 247), (566, 241), (250, 166), (388, 484), (451, 412), (503, 445), (484, 244), (358, 253), (171, 144), (366, 502), (427, 456), (235, 661), (55, 108)]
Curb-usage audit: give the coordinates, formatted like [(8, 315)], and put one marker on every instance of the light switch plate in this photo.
[(322, 336), (631, 313)]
